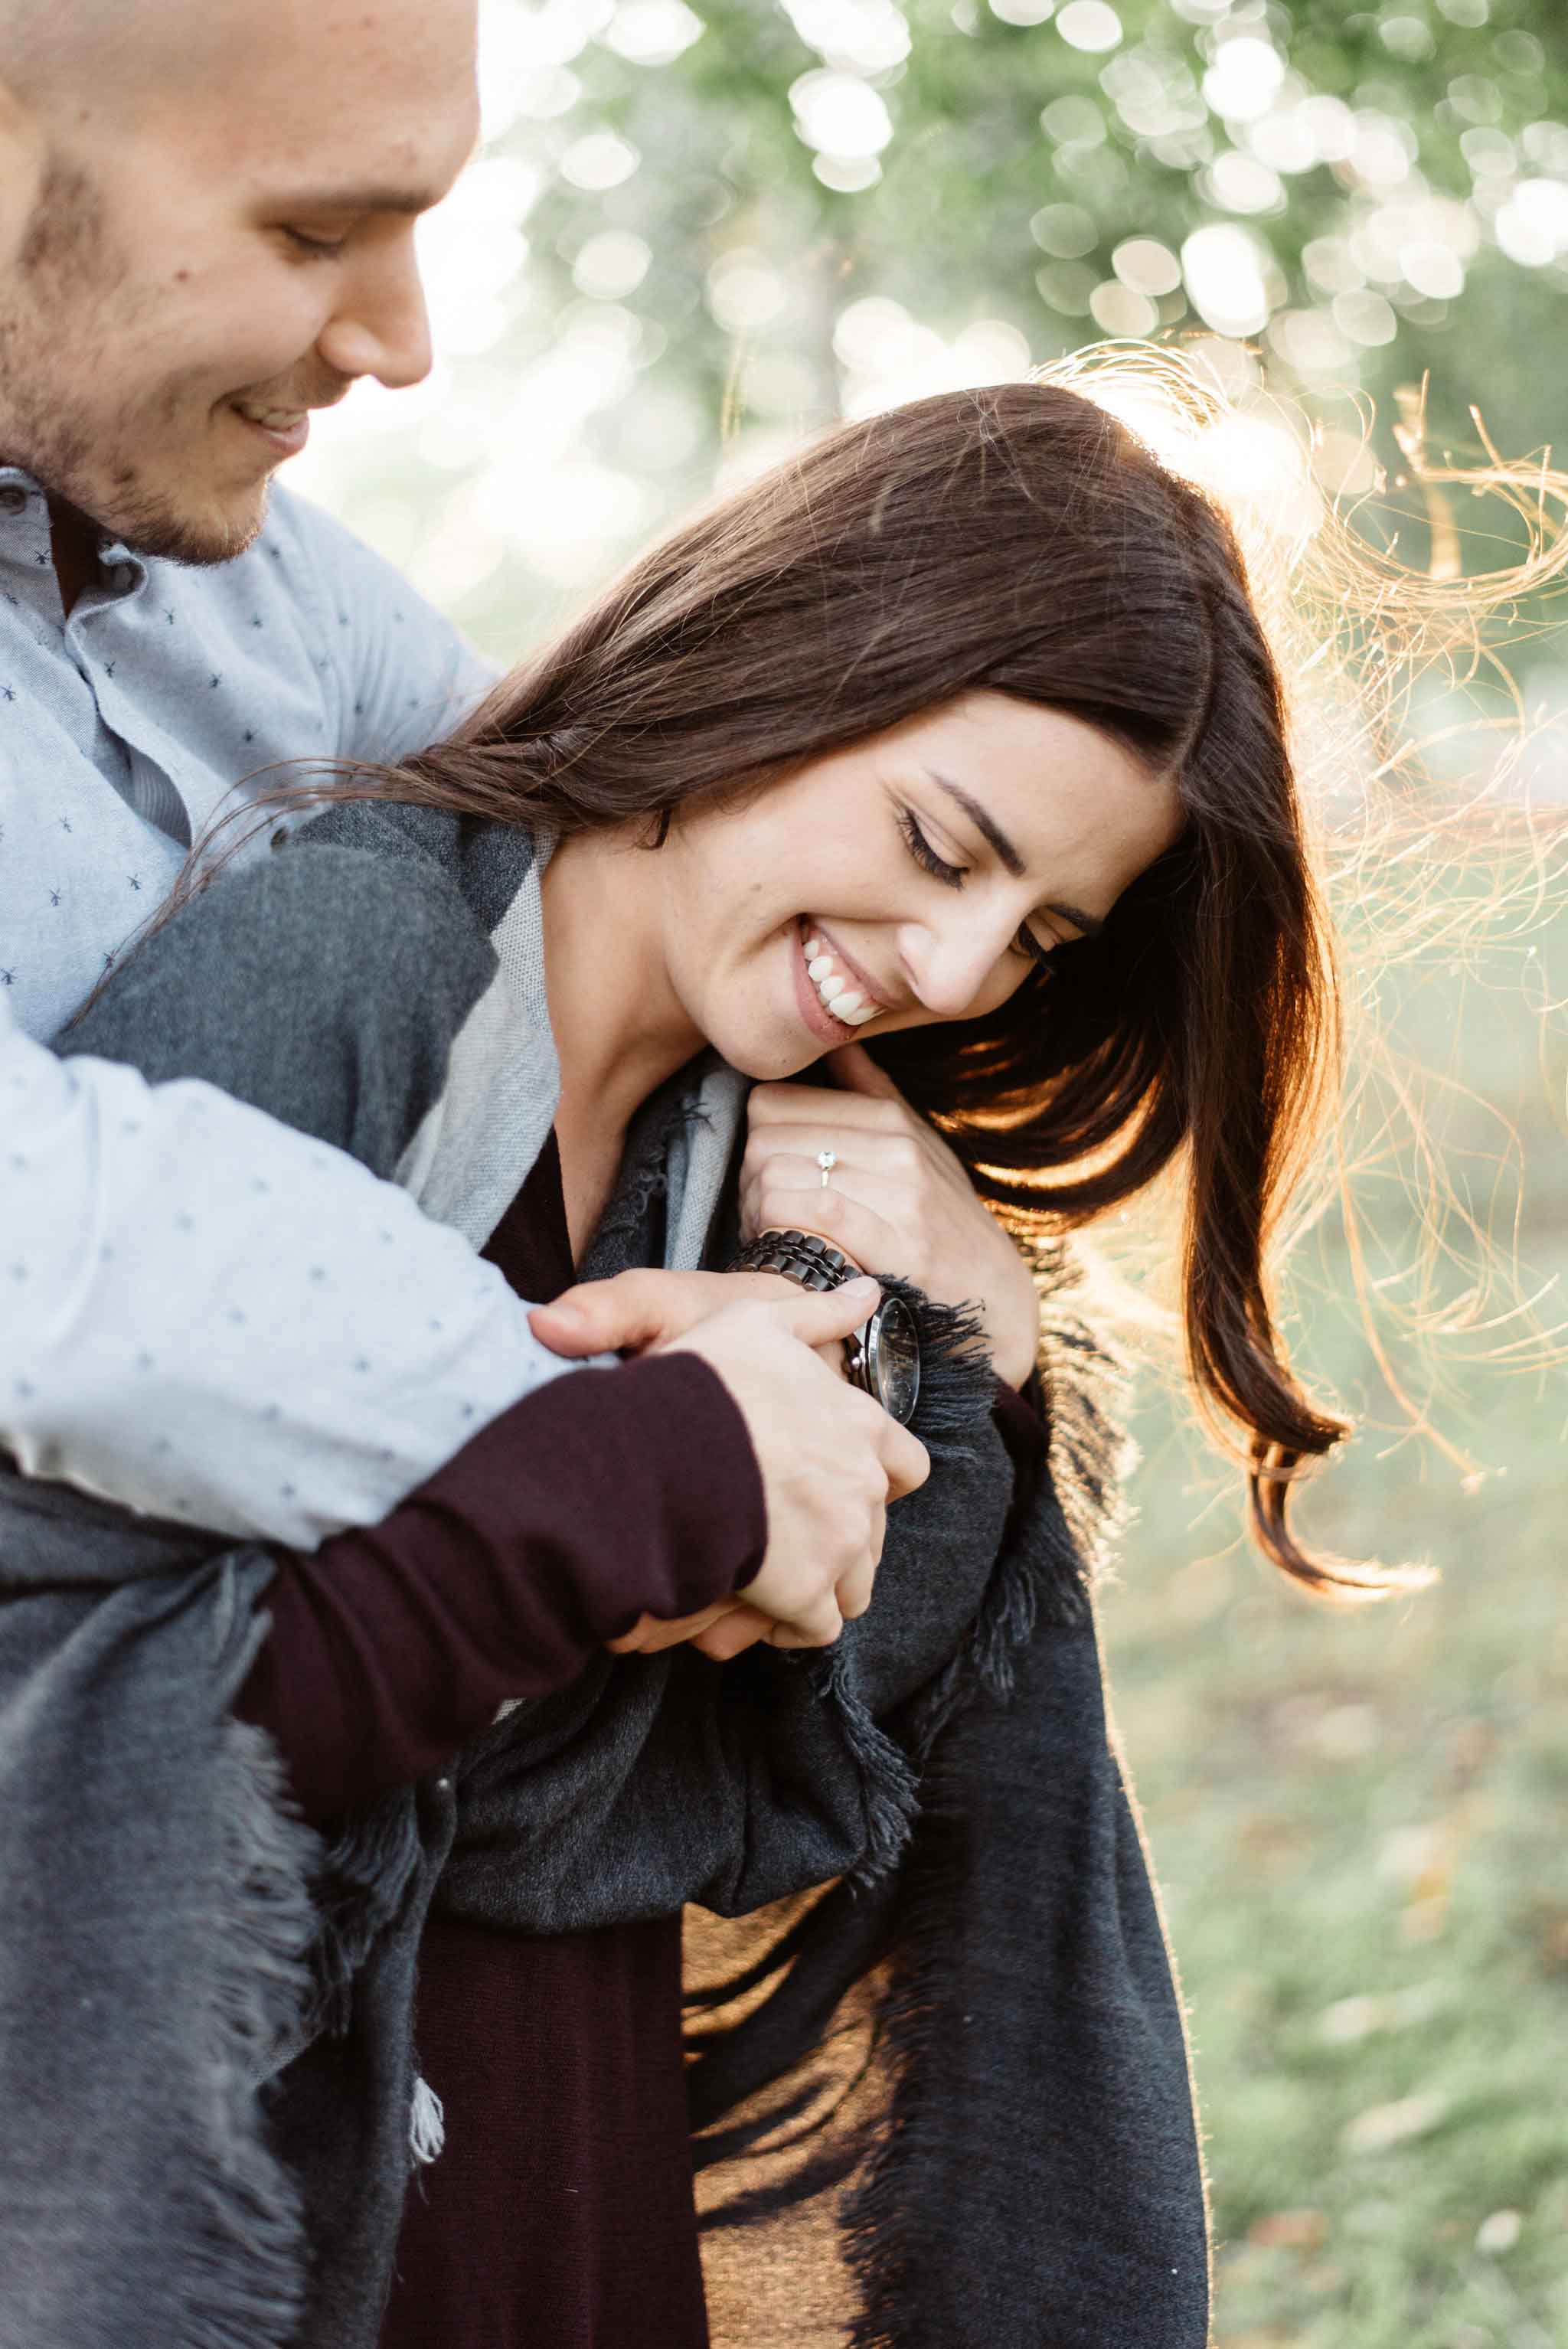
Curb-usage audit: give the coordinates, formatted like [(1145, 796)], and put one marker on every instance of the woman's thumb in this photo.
[(856, 1072)]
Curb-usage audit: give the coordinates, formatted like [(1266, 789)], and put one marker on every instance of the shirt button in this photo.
[(443, 1786), (13, 501)]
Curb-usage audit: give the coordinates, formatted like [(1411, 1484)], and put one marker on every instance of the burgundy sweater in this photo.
[(560, 2215)]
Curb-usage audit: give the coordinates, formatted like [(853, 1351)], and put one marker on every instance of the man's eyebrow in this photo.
[(990, 831), (383, 198)]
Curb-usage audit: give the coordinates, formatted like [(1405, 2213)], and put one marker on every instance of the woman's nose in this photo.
[(948, 968)]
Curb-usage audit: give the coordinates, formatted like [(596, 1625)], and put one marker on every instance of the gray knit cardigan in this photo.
[(210, 2096)]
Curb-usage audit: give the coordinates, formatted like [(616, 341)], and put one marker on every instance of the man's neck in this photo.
[(75, 546)]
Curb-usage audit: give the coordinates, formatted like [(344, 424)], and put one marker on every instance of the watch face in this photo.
[(892, 1358)]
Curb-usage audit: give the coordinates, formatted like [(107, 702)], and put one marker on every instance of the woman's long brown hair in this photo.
[(1016, 540)]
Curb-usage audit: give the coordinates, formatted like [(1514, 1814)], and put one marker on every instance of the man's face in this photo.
[(216, 252)]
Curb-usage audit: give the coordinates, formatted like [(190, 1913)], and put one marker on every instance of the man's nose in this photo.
[(382, 327)]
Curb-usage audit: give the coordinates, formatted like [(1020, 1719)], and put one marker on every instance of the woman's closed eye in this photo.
[(1040, 951), (953, 876)]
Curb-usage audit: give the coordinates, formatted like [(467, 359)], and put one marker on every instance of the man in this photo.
[(207, 211)]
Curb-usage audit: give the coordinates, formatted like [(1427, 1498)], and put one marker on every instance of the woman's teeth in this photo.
[(845, 1001)]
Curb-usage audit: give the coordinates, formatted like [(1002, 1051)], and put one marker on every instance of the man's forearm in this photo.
[(211, 1317)]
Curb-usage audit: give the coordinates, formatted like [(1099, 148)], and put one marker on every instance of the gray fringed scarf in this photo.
[(206, 2065)]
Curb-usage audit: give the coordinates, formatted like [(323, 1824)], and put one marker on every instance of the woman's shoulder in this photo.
[(430, 848)]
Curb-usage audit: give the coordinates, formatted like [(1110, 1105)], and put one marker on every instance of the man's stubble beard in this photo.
[(64, 311)]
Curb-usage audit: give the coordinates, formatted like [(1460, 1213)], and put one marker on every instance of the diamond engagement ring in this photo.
[(827, 1160)]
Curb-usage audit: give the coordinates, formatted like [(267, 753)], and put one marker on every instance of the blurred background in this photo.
[(696, 235)]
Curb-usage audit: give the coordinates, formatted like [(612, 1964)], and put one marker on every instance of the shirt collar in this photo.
[(114, 555)]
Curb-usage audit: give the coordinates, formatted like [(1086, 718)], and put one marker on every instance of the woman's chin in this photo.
[(770, 1059)]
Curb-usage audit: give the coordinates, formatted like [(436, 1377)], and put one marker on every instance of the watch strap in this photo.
[(803, 1256)]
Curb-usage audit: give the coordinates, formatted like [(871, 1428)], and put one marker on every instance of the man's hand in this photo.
[(636, 1310), (830, 1458)]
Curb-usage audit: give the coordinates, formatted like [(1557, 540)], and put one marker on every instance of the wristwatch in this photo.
[(883, 1358)]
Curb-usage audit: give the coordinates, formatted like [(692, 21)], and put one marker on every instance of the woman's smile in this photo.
[(835, 999)]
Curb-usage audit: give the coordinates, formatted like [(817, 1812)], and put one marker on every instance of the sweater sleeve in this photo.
[(606, 1493), (1022, 1419)]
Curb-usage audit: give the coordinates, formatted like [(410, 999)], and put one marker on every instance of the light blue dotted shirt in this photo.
[(203, 1314), (125, 729)]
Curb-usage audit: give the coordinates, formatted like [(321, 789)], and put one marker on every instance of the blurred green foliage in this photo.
[(1357, 1818), (696, 235)]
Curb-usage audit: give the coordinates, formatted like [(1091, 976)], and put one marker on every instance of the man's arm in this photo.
[(214, 1318)]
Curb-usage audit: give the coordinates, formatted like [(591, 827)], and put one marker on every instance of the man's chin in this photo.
[(198, 540)]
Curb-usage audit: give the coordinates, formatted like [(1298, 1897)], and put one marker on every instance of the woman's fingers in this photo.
[(861, 1113), (893, 1190), (650, 1633), (741, 1628), (880, 1235)]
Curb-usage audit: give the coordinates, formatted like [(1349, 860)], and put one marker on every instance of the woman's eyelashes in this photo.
[(951, 876), (1036, 950)]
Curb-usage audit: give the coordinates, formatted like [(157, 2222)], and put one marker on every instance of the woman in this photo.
[(953, 748)]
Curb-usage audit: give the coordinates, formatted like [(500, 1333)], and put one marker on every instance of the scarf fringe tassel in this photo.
[(1088, 1457), (247, 2265)]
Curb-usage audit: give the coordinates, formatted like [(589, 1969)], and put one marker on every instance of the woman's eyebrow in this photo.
[(983, 822), (990, 831)]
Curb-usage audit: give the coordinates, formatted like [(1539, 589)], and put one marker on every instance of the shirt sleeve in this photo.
[(548, 1534), (211, 1317), (405, 674)]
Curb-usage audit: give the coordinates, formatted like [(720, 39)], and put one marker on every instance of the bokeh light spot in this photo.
[(1090, 24)]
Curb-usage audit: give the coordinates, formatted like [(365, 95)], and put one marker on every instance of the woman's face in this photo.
[(925, 867)]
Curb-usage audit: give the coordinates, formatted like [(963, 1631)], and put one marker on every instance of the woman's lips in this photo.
[(836, 980)]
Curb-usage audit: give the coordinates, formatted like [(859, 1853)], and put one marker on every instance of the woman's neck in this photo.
[(619, 1029)]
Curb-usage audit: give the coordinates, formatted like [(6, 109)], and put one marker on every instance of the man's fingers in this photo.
[(853, 1593), (818, 1315), (818, 1629), (632, 1311), (904, 1458)]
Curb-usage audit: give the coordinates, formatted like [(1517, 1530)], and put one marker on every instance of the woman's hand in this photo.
[(897, 1201), (722, 1631)]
